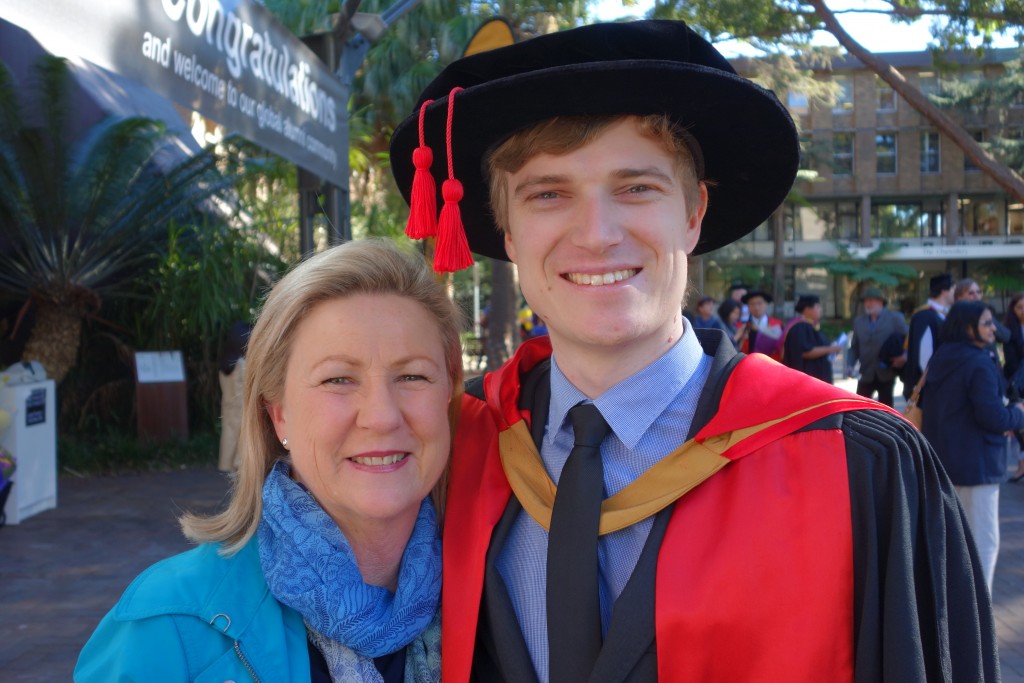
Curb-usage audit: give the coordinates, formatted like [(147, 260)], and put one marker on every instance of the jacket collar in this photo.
[(225, 592)]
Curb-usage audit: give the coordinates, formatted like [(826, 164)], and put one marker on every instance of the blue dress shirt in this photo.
[(650, 415)]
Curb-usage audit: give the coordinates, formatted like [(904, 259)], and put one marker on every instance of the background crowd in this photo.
[(965, 364)]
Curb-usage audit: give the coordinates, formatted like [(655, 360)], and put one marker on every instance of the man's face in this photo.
[(946, 296), (873, 306), (706, 309), (600, 236), (972, 293), (813, 313), (738, 294), (757, 306)]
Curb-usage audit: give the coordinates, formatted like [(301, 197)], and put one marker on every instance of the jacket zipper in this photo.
[(245, 662)]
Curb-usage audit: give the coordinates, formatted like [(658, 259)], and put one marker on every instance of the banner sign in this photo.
[(230, 60)]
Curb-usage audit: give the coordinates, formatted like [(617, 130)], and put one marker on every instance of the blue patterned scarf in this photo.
[(310, 567)]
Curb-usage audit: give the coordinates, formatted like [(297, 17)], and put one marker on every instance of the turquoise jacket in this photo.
[(198, 617)]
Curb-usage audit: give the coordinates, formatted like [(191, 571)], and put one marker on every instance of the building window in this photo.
[(829, 220), (805, 152), (844, 94), (842, 153), (896, 220), (930, 152), (1015, 218), (796, 102), (885, 153), (981, 217), (929, 84), (979, 137), (886, 96)]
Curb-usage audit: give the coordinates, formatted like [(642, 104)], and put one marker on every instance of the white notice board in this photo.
[(152, 367)]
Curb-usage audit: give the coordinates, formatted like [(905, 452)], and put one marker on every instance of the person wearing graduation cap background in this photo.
[(631, 499), (764, 332)]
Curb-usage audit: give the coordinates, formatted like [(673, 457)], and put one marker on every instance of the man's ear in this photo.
[(510, 248), (693, 224)]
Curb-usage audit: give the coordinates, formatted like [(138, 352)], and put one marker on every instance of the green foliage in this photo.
[(1005, 276), (754, 277), (118, 452), (266, 196), (81, 218), (212, 275), (868, 268)]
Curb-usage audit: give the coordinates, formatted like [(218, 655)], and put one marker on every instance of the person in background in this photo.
[(967, 289), (737, 291), (231, 373), (967, 420), (1013, 366), (705, 318), (326, 563), (923, 335), (764, 332), (630, 498), (871, 330), (805, 347), (729, 313), (1013, 348)]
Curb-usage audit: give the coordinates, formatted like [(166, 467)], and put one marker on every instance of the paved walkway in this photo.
[(62, 569)]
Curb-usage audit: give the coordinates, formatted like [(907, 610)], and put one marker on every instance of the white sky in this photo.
[(874, 31)]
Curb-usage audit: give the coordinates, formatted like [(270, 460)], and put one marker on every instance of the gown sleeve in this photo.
[(921, 608)]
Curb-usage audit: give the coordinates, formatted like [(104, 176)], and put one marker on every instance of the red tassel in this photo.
[(423, 199), (423, 202), (452, 251)]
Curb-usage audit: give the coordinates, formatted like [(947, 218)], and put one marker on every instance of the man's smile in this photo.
[(598, 279)]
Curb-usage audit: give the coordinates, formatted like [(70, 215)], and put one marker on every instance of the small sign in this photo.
[(35, 407), (152, 367)]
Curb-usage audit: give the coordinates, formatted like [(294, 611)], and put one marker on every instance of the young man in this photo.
[(924, 330), (705, 317), (874, 333), (757, 524), (764, 331)]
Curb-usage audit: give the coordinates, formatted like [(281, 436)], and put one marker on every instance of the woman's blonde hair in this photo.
[(372, 266), (564, 134)]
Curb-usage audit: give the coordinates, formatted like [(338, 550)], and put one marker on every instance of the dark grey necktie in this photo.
[(573, 601)]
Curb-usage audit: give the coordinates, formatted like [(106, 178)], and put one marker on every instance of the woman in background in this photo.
[(966, 419), (729, 312), (1013, 350)]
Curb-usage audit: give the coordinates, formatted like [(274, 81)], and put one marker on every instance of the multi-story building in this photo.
[(881, 172)]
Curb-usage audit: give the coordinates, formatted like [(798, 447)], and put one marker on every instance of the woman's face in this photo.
[(986, 329), (365, 408), (1018, 310)]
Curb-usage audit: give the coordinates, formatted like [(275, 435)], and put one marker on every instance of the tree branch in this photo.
[(1004, 176)]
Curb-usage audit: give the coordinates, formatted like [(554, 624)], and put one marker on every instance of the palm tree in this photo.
[(79, 218)]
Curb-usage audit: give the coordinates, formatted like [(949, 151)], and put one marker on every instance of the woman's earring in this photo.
[(284, 442)]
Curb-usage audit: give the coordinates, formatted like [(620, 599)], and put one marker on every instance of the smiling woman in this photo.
[(325, 565)]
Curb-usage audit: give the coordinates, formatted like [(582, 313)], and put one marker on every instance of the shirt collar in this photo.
[(654, 387), (942, 310)]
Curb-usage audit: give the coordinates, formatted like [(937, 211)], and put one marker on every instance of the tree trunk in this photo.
[(502, 330), (54, 339), (779, 257), (1001, 174)]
